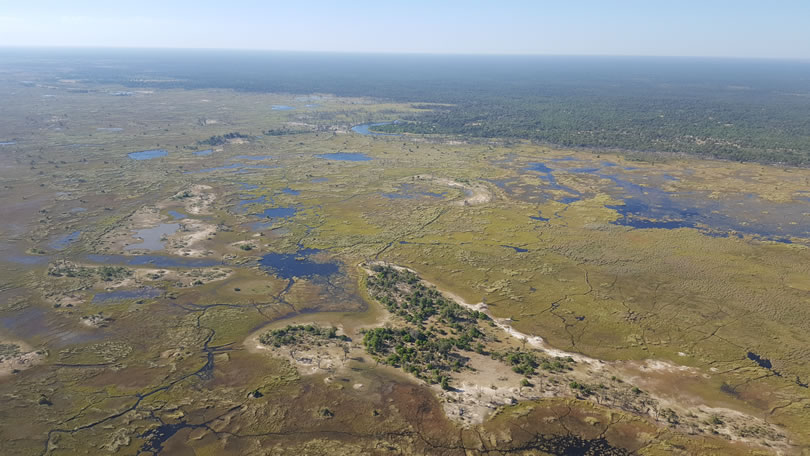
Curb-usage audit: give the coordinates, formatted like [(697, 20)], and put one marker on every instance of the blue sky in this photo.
[(741, 28)]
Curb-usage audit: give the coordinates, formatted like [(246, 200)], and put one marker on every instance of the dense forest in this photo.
[(727, 108)]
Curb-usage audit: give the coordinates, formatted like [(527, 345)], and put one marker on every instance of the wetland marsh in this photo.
[(309, 285)]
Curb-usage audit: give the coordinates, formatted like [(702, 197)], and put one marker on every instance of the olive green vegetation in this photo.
[(744, 110), (299, 334), (436, 333), (583, 284)]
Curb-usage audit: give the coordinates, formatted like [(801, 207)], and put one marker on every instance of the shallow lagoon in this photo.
[(298, 264), (63, 242), (120, 295), (365, 129), (648, 205), (277, 212), (152, 237), (345, 156), (148, 154)]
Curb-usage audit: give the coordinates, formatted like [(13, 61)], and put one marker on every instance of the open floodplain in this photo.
[(173, 263)]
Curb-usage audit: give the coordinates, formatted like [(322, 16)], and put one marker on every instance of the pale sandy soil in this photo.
[(185, 241), (478, 392), (475, 194), (25, 359), (200, 200)]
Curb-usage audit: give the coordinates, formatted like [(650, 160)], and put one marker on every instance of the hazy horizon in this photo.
[(393, 53), (723, 29)]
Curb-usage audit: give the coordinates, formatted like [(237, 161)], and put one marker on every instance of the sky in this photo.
[(706, 28)]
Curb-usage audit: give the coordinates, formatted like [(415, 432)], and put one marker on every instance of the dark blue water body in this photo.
[(547, 175), (540, 168), (298, 264), (364, 129), (177, 215), (203, 153), (160, 261), (63, 242), (289, 191), (569, 199), (277, 212), (539, 217), (7, 143), (120, 295), (648, 205), (148, 154), (269, 216), (282, 108), (345, 156), (516, 249), (240, 205)]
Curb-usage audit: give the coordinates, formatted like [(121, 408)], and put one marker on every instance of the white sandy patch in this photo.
[(26, 358), (199, 199), (478, 393), (191, 233)]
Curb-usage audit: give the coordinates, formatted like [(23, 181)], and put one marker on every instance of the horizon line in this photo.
[(393, 53)]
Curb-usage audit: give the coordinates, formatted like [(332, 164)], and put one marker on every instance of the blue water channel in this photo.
[(648, 205)]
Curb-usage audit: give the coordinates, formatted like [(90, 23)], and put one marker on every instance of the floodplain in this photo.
[(173, 261)]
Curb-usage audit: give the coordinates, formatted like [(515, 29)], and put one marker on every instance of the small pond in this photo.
[(148, 154), (120, 295), (153, 237), (365, 129), (345, 156), (64, 241), (298, 264)]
